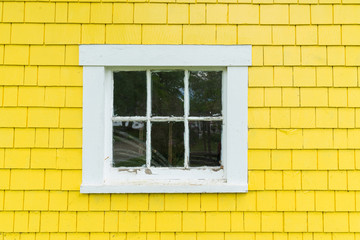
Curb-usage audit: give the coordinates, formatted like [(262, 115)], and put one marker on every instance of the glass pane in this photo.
[(129, 144), (130, 93), (167, 140), (205, 93), (205, 143), (168, 93)]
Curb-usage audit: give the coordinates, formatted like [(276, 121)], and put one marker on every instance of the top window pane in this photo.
[(205, 93), (168, 93), (130, 93)]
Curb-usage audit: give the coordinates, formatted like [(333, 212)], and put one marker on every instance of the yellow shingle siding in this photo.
[(304, 120)]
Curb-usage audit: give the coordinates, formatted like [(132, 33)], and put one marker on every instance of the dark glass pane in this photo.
[(129, 144), (168, 93), (205, 93), (130, 93), (205, 143), (167, 140)]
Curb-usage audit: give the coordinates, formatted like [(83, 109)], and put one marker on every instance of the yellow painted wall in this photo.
[(304, 120)]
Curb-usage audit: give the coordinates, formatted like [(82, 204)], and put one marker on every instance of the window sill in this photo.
[(166, 187)]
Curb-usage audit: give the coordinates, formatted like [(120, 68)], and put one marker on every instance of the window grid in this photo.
[(148, 116), (184, 119)]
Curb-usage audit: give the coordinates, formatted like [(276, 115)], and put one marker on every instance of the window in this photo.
[(164, 118), (167, 118)]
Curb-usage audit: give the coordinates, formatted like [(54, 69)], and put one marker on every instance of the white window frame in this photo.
[(100, 61)]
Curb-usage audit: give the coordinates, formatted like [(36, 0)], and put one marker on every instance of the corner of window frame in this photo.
[(98, 63)]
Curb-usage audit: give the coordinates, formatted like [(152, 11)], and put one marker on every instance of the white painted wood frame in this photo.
[(100, 61)]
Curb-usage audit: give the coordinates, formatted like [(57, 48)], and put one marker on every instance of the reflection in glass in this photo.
[(205, 93), (129, 144), (205, 143), (130, 93), (167, 93), (167, 140)]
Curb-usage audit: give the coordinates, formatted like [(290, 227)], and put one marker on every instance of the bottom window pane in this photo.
[(129, 144), (167, 141), (205, 143)]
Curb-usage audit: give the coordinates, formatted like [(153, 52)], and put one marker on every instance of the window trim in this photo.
[(100, 61)]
